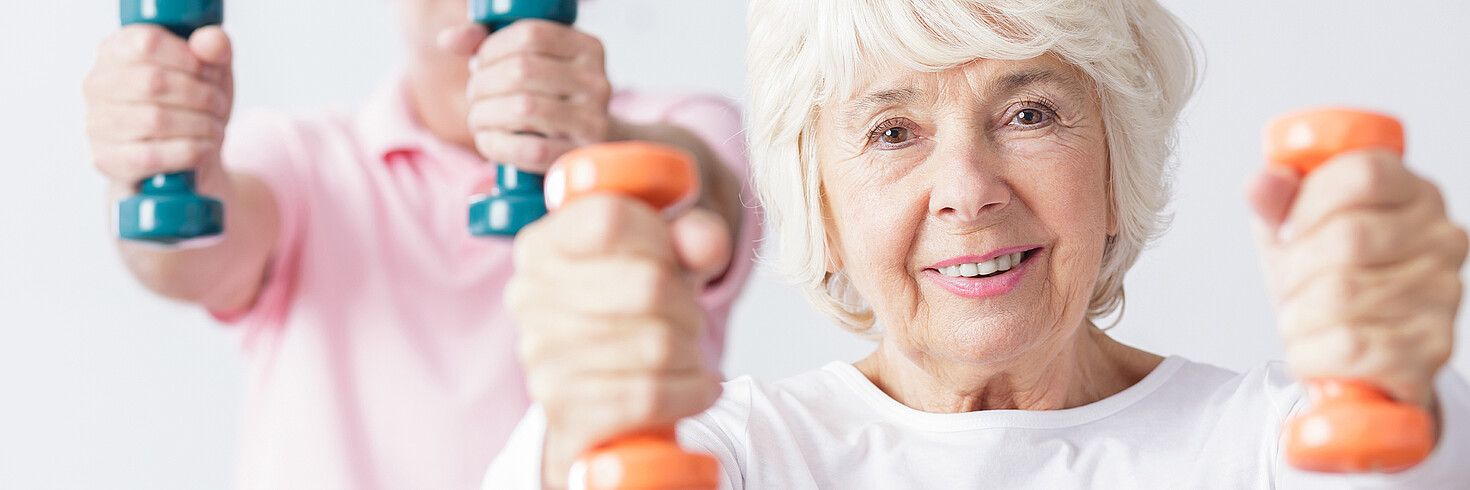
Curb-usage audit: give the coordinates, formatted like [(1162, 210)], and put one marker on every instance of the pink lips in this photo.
[(984, 287)]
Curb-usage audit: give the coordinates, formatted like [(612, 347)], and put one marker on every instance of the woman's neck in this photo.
[(1086, 368)]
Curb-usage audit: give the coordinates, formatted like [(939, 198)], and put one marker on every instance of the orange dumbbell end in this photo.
[(650, 461), (1304, 140), (663, 176), (1355, 428)]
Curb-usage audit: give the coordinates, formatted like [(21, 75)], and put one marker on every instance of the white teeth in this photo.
[(1002, 263)]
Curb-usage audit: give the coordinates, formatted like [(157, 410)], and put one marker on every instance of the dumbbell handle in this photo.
[(667, 179), (513, 199), (1353, 426), (167, 210)]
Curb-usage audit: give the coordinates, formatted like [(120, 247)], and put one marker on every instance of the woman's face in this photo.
[(934, 181)]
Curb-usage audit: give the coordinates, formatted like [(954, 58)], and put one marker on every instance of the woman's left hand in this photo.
[(1364, 265), (537, 90)]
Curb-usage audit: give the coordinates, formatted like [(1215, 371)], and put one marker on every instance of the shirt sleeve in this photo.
[(1445, 467), (718, 123), (262, 146)]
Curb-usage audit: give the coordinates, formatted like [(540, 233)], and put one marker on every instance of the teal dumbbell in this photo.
[(167, 210), (515, 199)]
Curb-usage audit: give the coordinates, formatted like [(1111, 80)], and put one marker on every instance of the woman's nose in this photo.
[(967, 188)]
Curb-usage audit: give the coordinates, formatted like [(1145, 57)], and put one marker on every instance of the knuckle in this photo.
[(147, 42), (520, 68), (152, 119), (1356, 237), (1376, 173), (536, 151), (153, 81), (645, 397), (659, 347), (524, 105), (595, 48)]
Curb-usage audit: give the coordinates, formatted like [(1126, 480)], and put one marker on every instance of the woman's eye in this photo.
[(895, 135), (1029, 117)]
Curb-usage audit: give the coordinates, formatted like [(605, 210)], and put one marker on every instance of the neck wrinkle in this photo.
[(1089, 368)]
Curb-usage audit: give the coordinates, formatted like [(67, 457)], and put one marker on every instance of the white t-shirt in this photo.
[(1184, 426)]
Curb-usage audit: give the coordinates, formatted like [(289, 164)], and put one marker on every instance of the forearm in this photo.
[(721, 187), (224, 275)]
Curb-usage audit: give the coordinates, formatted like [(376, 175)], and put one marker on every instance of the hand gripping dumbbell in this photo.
[(514, 199), (167, 210), (1353, 426), (667, 179)]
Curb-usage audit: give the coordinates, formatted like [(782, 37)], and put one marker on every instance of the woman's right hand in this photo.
[(159, 104), (605, 296)]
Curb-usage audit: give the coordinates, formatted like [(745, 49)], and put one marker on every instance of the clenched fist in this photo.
[(1364, 265), (605, 296), (157, 103)]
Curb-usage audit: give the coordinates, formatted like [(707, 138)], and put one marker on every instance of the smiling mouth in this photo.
[(990, 268)]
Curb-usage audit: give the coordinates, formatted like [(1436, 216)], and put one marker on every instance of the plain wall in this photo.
[(103, 385)]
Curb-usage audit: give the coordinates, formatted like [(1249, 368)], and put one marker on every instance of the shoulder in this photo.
[(1265, 385), (646, 107)]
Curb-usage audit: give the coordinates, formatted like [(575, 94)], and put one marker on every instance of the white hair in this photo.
[(805, 54)]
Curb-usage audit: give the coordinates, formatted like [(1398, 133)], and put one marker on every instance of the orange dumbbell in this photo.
[(666, 178), (1352, 427)]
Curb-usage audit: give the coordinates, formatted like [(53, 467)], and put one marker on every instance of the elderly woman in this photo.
[(968, 182)]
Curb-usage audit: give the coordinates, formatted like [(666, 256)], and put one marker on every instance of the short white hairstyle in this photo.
[(804, 55)]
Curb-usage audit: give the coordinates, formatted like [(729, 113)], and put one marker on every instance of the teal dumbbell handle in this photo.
[(517, 199), (167, 210)]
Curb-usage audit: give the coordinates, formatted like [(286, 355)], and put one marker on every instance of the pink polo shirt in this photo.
[(379, 355)]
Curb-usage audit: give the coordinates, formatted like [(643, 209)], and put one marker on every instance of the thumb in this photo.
[(211, 46), (462, 40), (1271, 193), (702, 244)]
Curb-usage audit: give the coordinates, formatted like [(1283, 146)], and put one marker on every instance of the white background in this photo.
[(104, 386)]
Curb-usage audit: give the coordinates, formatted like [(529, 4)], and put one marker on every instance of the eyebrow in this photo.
[(869, 103), (1014, 82), (1008, 84)]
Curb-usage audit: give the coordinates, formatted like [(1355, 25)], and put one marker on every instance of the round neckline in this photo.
[(1009, 418)]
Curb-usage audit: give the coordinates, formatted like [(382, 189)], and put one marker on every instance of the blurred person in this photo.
[(379, 352)]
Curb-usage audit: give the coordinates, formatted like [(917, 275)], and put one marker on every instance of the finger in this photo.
[(543, 115), (527, 152), (613, 286), (1370, 238), (1382, 295), (1401, 359), (121, 122), (541, 37), (137, 160), (1357, 179), (702, 244), (147, 44), (540, 75), (636, 345), (462, 40), (596, 226), (142, 84), (1271, 193), (601, 407)]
